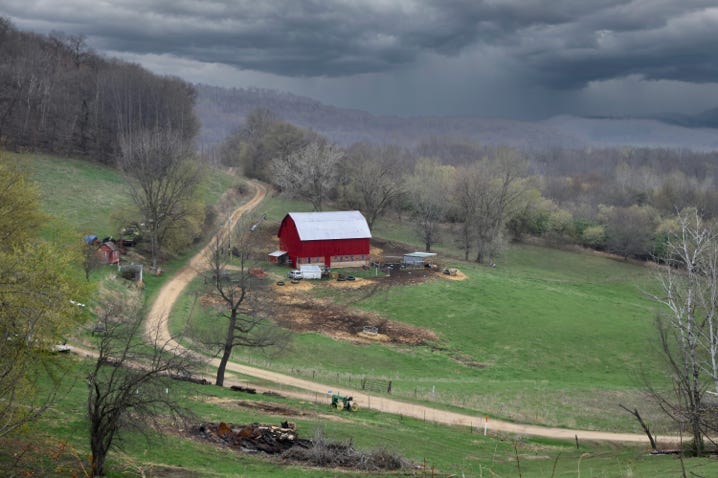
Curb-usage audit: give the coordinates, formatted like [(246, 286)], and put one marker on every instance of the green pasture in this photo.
[(550, 337), (547, 337), (57, 445), (82, 196)]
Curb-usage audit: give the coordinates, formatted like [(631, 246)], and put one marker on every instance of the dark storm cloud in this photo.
[(557, 43), (671, 41)]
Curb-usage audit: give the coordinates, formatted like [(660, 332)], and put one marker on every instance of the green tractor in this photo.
[(347, 402)]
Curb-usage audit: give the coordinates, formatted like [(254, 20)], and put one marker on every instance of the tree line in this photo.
[(57, 95), (477, 197)]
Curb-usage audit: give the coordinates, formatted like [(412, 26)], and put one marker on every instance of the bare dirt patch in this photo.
[(469, 362), (264, 407), (212, 301), (301, 313), (289, 286)]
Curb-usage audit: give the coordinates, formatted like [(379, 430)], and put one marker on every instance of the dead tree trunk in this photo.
[(647, 431)]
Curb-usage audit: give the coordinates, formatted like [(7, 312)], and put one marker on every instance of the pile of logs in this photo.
[(239, 388), (254, 437)]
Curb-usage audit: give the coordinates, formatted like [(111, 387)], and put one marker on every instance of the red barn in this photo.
[(335, 239)]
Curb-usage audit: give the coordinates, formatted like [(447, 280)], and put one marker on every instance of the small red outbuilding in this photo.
[(335, 239), (108, 253)]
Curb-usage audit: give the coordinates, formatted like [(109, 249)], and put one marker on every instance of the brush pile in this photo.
[(252, 438), (284, 440)]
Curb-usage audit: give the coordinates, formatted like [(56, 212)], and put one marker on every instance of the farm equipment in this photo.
[(346, 402), (130, 236)]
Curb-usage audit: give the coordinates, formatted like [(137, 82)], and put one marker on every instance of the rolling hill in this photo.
[(223, 110)]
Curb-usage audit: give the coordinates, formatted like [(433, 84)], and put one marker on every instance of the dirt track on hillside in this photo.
[(157, 328)]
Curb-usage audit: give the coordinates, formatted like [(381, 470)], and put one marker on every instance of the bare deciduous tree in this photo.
[(236, 287), (427, 190), (162, 178), (309, 173), (688, 327), (485, 195), (129, 385), (373, 180), (467, 197)]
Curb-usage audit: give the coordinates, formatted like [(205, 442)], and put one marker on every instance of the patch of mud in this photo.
[(293, 307), (303, 314)]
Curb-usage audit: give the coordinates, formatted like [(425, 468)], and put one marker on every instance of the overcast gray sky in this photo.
[(523, 59)]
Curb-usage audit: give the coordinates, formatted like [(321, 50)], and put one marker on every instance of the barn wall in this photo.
[(288, 236)]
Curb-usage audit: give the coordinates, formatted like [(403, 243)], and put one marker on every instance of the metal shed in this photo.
[(277, 257), (418, 259)]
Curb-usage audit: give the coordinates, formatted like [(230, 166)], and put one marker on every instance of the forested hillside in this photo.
[(223, 110), (59, 96)]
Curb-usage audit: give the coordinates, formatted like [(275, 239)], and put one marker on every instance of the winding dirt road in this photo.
[(157, 328)]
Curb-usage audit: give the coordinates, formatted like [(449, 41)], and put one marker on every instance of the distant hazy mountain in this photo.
[(223, 110), (635, 132), (706, 119)]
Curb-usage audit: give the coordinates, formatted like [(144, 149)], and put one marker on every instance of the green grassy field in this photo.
[(60, 444), (561, 339), (550, 337), (79, 194), (82, 196)]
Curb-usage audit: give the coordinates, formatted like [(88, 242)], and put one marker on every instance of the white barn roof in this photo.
[(314, 226)]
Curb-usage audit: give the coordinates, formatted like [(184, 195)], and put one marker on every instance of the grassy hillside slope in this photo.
[(544, 324), (550, 337), (57, 446)]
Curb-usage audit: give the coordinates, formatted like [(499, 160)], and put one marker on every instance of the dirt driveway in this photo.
[(157, 328)]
